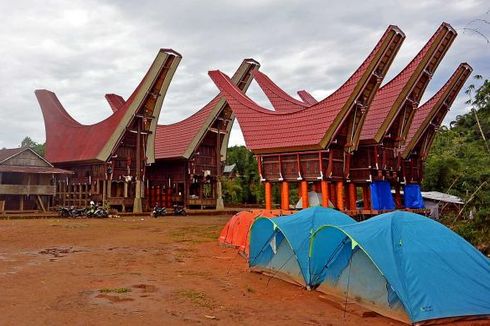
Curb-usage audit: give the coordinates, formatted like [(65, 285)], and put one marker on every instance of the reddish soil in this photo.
[(137, 270)]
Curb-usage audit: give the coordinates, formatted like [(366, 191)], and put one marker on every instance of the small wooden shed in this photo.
[(27, 180)]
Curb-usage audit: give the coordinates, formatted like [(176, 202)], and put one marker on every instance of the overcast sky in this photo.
[(83, 49)]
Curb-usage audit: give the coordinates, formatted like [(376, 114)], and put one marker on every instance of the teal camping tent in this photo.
[(280, 246), (402, 265)]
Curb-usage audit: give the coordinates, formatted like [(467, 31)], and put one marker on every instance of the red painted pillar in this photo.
[(304, 194), (325, 193), (268, 195), (340, 196), (285, 196), (352, 196)]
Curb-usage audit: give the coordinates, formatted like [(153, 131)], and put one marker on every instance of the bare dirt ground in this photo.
[(138, 270)]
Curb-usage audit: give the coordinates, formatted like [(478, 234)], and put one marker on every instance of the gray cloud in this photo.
[(84, 49)]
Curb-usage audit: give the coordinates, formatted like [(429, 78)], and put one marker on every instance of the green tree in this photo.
[(38, 148), (459, 163)]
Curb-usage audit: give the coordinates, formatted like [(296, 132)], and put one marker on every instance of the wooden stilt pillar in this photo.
[(304, 194), (285, 196), (325, 193), (352, 196), (268, 195), (366, 197), (398, 196), (333, 193), (314, 187), (340, 196)]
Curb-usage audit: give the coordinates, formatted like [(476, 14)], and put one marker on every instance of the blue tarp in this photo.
[(381, 197), (427, 270), (413, 196), (282, 244)]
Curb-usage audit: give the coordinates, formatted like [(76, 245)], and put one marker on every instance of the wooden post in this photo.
[(285, 196), (325, 193), (398, 196), (352, 196), (333, 193), (340, 196), (137, 207), (366, 197), (268, 195), (21, 203), (304, 194)]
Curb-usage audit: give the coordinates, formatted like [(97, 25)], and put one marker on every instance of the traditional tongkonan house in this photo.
[(190, 154), (374, 166), (311, 143), (109, 158), (427, 119)]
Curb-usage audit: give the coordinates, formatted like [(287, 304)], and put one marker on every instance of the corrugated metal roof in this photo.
[(33, 169), (442, 197)]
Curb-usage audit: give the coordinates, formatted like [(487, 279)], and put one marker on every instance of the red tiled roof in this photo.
[(69, 141), (115, 101), (385, 100), (266, 130), (307, 97), (440, 102), (7, 153), (280, 100), (173, 141)]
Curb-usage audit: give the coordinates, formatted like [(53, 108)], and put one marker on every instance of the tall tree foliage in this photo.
[(459, 163), (36, 147), (245, 188)]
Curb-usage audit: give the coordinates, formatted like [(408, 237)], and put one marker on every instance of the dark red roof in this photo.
[(267, 130), (280, 100), (172, 140), (69, 141), (115, 101), (440, 102), (388, 99), (307, 97), (177, 140), (7, 153)]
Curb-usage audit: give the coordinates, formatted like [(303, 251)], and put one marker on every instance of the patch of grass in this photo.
[(197, 298), (195, 234), (114, 290)]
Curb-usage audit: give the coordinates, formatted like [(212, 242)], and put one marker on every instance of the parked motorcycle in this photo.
[(158, 211), (97, 211), (179, 210), (71, 211)]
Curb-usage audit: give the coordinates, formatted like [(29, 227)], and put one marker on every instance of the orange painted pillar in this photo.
[(285, 196), (268, 195), (352, 196), (304, 194), (340, 196), (325, 195), (398, 196)]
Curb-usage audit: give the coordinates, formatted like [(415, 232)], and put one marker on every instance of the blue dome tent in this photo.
[(402, 265), (280, 246)]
